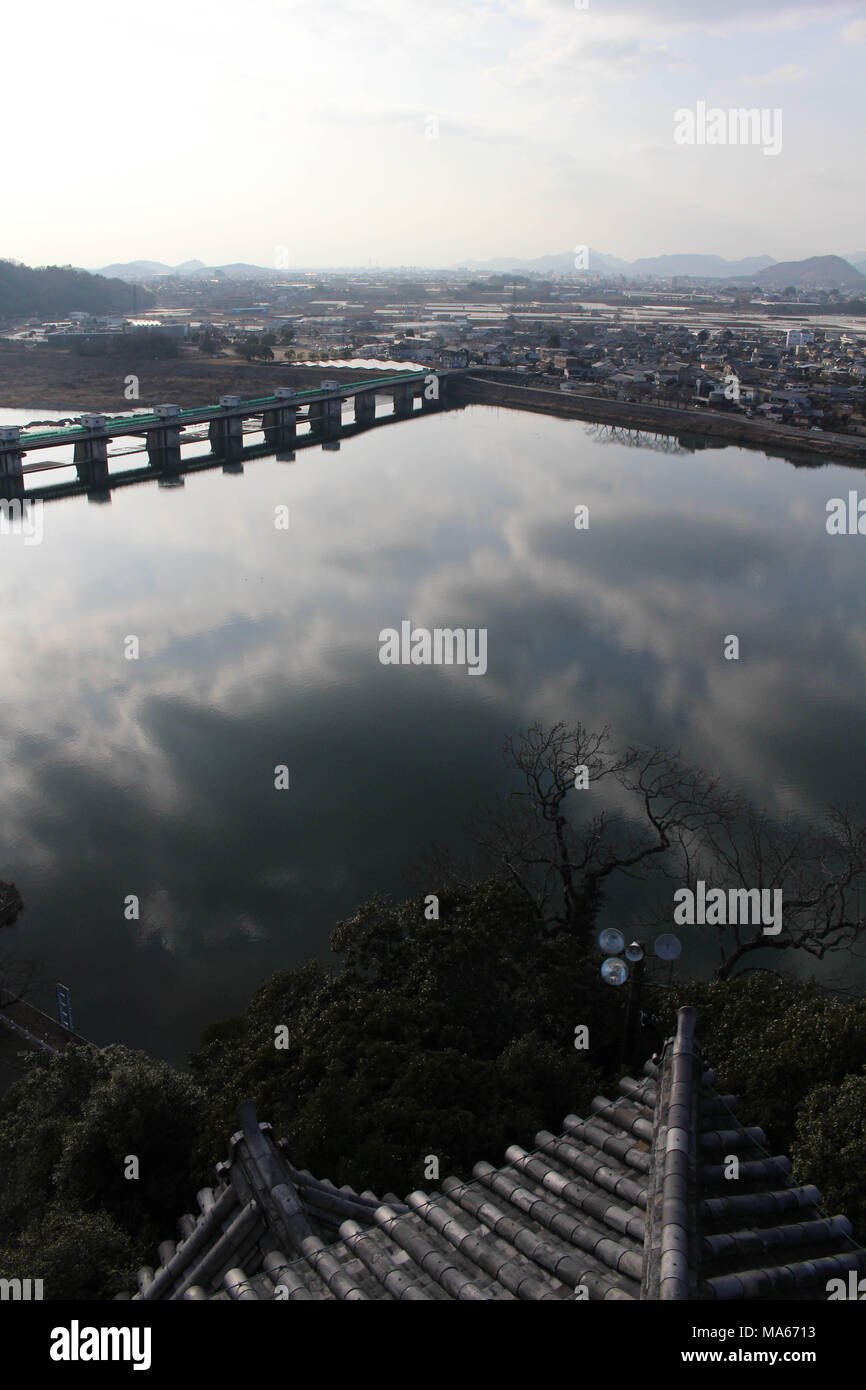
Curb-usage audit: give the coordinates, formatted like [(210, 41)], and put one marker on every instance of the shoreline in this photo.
[(65, 383), (717, 430)]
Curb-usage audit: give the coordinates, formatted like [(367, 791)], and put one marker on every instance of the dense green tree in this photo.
[(77, 1254), (254, 349), (209, 340), (150, 344), (451, 1036), (830, 1147), (67, 1131), (147, 342), (772, 1040)]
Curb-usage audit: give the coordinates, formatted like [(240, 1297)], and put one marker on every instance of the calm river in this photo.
[(259, 647)]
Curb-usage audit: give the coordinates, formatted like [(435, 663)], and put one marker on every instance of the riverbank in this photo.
[(52, 379), (693, 426), (25, 1031)]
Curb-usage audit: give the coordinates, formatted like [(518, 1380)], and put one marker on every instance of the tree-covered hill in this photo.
[(53, 291)]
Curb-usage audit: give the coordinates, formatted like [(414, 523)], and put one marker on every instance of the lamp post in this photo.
[(616, 971), (636, 954)]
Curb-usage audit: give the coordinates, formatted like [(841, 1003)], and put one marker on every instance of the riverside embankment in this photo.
[(26, 1031), (695, 427)]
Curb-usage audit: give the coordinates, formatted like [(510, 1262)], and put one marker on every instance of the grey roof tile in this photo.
[(759, 1203), (572, 1193), (454, 1278), (395, 1281), (281, 1273), (239, 1286), (630, 1202), (521, 1235), (513, 1274), (329, 1269)]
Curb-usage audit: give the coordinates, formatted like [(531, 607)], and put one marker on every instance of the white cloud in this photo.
[(792, 72), (534, 95)]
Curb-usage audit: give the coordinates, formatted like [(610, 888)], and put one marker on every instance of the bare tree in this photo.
[(665, 819), (18, 979), (819, 869), (562, 863)]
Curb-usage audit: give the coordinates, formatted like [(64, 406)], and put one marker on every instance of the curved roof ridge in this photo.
[(659, 1194)]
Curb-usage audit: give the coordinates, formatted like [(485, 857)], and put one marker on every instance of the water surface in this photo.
[(260, 647)]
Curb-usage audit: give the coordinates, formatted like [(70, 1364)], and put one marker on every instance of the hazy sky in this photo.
[(306, 130)]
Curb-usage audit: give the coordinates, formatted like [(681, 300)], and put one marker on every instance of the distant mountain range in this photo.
[(816, 272), (148, 270), (813, 273), (599, 263)]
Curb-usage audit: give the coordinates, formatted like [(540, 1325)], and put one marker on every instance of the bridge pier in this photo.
[(365, 407), (326, 416), (163, 443), (12, 487), (11, 453), (171, 476), (332, 424), (280, 425), (404, 400), (226, 432), (90, 455)]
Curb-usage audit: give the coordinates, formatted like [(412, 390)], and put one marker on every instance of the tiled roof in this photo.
[(636, 1201)]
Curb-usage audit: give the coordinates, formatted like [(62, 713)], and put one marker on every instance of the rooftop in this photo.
[(660, 1194)]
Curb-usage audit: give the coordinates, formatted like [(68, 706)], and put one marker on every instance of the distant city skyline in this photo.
[(355, 132)]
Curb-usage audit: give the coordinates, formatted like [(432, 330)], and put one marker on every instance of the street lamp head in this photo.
[(614, 971), (634, 951), (611, 941), (667, 946)]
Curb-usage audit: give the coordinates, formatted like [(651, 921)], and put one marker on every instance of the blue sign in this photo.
[(64, 1006)]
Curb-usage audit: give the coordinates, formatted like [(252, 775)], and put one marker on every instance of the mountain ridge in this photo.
[(815, 272), (810, 272)]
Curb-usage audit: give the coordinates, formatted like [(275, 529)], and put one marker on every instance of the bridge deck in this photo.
[(119, 425)]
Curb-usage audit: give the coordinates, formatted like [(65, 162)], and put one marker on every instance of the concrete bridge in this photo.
[(166, 428)]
